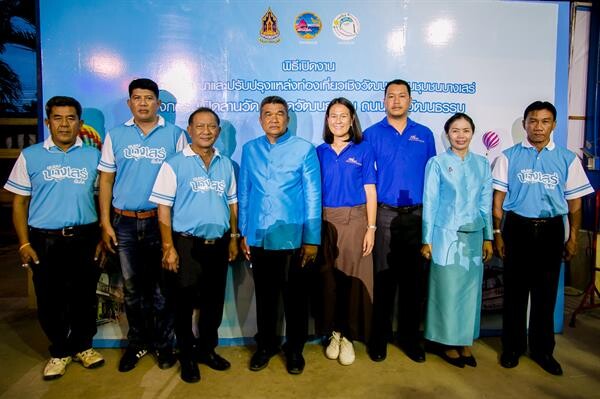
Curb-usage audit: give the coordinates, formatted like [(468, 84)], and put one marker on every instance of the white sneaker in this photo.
[(333, 349), (89, 358), (56, 367), (346, 352)]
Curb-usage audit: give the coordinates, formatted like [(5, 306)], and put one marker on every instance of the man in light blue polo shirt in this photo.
[(280, 220), (131, 157), (402, 148), (56, 222), (197, 209), (536, 184)]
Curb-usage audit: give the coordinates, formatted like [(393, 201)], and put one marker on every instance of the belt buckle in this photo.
[(68, 231), (210, 242)]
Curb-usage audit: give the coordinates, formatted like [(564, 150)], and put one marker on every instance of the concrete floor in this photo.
[(23, 354)]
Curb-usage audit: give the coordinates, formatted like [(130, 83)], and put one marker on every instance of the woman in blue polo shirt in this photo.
[(457, 234), (349, 211)]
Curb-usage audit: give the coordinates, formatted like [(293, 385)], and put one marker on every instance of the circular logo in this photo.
[(308, 25), (345, 26)]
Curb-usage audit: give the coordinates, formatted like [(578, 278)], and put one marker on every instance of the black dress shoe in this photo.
[(214, 361), (415, 352), (378, 353), (469, 360), (295, 362), (455, 361), (509, 359), (189, 370), (260, 359), (548, 363), (165, 358), (130, 358)]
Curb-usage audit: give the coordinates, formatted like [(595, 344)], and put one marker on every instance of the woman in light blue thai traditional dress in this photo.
[(457, 234)]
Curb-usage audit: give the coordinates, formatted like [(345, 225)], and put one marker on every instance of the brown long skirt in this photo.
[(346, 275)]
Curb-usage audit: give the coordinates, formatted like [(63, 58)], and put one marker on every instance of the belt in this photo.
[(400, 209), (535, 221), (150, 213), (203, 240), (70, 231)]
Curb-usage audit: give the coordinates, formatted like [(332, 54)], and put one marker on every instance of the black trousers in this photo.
[(65, 286), (399, 268), (199, 283), (336, 288), (280, 274), (534, 251)]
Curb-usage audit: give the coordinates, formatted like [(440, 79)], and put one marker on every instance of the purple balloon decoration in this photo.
[(490, 139)]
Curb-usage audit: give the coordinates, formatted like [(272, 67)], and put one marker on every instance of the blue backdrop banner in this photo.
[(489, 59)]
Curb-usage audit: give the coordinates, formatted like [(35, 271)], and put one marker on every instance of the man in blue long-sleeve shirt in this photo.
[(280, 220)]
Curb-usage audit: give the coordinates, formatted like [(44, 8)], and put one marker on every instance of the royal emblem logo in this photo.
[(353, 161), (269, 32), (137, 152), (345, 26), (204, 184), (530, 176), (308, 25), (58, 173)]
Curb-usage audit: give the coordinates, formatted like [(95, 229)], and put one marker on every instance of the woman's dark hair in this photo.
[(355, 130), (457, 116)]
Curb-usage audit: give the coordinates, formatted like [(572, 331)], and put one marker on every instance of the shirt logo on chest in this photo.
[(353, 161), (416, 138), (204, 184), (530, 176), (137, 152), (59, 173)]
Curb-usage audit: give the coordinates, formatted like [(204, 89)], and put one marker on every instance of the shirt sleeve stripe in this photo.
[(578, 189), (232, 199), (19, 186), (105, 167), (161, 201), (17, 189), (496, 182), (162, 196)]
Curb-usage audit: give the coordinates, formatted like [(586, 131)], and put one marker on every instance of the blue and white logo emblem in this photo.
[(345, 26)]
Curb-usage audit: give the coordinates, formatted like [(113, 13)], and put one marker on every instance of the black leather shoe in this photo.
[(455, 361), (165, 358), (415, 352), (260, 359), (508, 360), (469, 360), (295, 362), (189, 370), (214, 361), (130, 358), (378, 353), (548, 363)]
